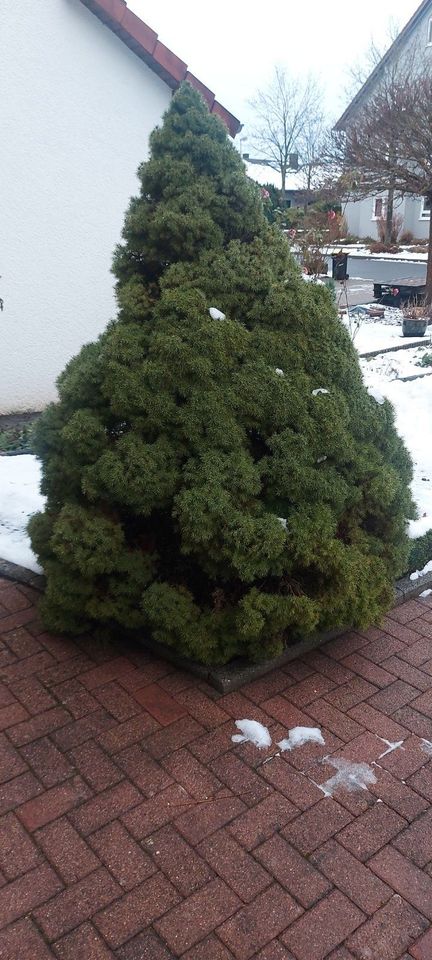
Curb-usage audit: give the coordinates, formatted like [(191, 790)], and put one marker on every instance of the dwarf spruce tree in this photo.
[(216, 473)]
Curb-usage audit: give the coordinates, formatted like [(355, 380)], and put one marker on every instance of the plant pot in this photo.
[(414, 327)]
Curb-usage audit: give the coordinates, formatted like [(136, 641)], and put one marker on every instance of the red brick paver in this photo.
[(132, 828)]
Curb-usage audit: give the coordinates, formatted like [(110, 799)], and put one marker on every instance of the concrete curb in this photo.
[(234, 675)]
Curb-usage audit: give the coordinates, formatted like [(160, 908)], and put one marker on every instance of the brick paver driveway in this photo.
[(133, 828)]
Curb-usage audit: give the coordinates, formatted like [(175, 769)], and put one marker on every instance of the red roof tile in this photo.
[(144, 42)]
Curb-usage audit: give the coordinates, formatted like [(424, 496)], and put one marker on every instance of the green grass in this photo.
[(426, 360)]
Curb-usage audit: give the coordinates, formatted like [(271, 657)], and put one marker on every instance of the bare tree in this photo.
[(284, 112), (389, 146), (358, 74), (311, 152), (360, 71)]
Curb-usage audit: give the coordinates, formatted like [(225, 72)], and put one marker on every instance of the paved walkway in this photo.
[(355, 291), (133, 828)]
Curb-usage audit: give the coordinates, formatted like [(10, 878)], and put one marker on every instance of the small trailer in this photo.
[(398, 292)]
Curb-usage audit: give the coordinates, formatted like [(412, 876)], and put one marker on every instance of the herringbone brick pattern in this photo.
[(132, 828)]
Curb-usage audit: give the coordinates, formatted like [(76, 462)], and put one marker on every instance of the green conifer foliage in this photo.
[(223, 482)]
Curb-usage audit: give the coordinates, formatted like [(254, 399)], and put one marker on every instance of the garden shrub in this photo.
[(420, 552), (216, 473)]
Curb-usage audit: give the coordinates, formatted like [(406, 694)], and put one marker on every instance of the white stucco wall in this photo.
[(76, 109), (361, 223)]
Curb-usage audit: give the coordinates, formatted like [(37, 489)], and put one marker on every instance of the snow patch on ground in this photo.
[(19, 499), (301, 735), (369, 334), (359, 250), (376, 395), (397, 363), (252, 732), (412, 402), (420, 573), (349, 776)]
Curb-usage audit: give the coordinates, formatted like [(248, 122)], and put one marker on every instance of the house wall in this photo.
[(360, 216), (76, 110), (361, 223), (413, 220)]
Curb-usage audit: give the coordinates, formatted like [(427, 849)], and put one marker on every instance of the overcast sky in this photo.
[(233, 50)]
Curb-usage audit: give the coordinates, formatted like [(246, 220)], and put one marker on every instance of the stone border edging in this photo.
[(234, 675), (400, 346), (13, 571)]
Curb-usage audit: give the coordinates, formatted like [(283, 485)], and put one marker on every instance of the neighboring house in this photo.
[(414, 40), (83, 83), (295, 194)]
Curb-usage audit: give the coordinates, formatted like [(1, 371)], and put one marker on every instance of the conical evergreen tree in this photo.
[(215, 471)]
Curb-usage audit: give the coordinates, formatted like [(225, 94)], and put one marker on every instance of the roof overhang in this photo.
[(393, 50), (144, 42)]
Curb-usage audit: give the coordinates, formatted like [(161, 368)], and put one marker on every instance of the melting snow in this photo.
[(351, 776), (300, 735), (283, 522), (420, 573), (216, 314), (308, 278), (252, 732), (390, 747), (426, 746), (426, 593), (315, 393), (376, 395)]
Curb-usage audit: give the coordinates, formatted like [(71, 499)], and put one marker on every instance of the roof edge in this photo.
[(145, 43), (399, 40)]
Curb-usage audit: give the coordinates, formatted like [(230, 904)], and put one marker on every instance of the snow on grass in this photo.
[(349, 776), (412, 402), (369, 335), (252, 732), (300, 735), (19, 499), (360, 250), (398, 363)]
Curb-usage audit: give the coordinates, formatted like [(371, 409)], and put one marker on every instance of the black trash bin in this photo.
[(339, 266)]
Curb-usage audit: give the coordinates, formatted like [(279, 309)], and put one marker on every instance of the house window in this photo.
[(379, 208), (425, 209), (429, 33)]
